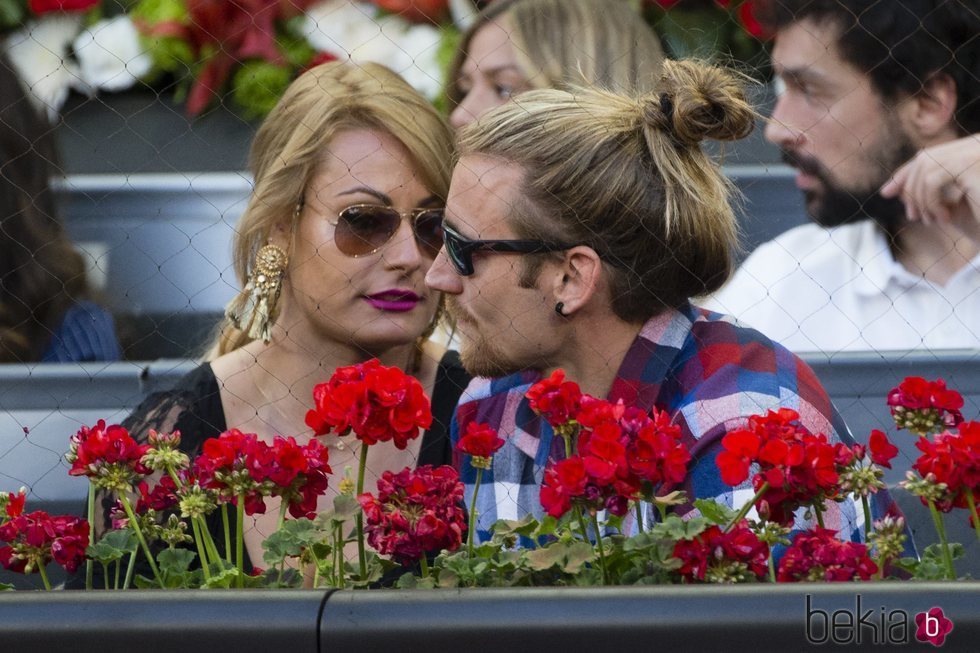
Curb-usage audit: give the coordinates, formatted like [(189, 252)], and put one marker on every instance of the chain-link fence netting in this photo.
[(142, 193)]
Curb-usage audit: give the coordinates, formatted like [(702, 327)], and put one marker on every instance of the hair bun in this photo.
[(699, 101)]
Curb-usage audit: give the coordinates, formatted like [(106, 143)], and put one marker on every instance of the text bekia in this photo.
[(857, 626)]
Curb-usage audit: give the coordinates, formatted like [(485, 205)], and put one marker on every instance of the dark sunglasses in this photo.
[(363, 229), (460, 250)]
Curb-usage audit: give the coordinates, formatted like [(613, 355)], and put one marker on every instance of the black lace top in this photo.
[(194, 408)]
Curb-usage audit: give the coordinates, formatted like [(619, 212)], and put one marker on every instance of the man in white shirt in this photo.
[(877, 105)]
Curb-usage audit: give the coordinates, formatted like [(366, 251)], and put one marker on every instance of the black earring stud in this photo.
[(560, 308)]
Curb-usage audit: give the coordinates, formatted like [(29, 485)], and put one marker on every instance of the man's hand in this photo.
[(942, 184)]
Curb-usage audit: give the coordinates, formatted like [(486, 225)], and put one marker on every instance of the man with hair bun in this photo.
[(878, 111), (578, 224)]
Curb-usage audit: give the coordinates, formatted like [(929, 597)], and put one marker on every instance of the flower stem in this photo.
[(748, 506), (473, 516), (339, 555), (240, 542), (283, 507), (227, 525), (639, 516), (584, 532), (975, 518), (866, 505), (424, 564), (359, 518), (818, 510), (205, 566), (89, 564), (139, 536), (599, 548), (44, 576), (772, 568), (209, 546), (937, 519), (118, 567), (130, 570), (105, 574)]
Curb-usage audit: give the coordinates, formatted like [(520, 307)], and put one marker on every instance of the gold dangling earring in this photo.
[(255, 311)]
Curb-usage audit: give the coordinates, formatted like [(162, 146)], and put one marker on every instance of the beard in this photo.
[(835, 204), (479, 354)]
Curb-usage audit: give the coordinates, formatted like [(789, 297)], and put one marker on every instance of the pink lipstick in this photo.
[(396, 300)]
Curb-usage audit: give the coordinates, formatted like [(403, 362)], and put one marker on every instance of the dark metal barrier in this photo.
[(161, 621), (757, 618)]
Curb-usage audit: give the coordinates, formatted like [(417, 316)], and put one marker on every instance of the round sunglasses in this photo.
[(363, 229)]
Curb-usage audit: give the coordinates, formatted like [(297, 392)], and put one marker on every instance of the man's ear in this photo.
[(578, 279), (930, 113)]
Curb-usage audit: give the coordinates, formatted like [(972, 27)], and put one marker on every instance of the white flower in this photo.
[(39, 53), (343, 28), (110, 54), (349, 31), (413, 56), (463, 12)]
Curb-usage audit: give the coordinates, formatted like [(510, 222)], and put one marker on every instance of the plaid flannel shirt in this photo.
[(708, 372)]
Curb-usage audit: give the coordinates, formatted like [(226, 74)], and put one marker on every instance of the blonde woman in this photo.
[(351, 171), (519, 45)]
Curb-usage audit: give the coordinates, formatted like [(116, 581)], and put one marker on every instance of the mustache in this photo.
[(456, 314), (803, 163)]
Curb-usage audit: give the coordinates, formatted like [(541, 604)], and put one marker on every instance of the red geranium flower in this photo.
[(563, 481), (108, 455), (12, 504), (237, 464), (882, 451), (377, 403), (953, 459), (32, 540), (555, 399), (415, 512), (800, 467), (924, 406), (717, 556), (818, 555), (739, 450), (657, 454), (480, 441), (299, 474)]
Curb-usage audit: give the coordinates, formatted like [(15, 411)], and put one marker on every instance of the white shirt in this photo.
[(840, 289)]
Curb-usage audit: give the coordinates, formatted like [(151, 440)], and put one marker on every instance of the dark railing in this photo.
[(784, 619)]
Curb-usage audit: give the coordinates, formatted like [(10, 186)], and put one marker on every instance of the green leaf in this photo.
[(714, 512), (675, 528), (223, 580), (524, 527), (175, 561), (290, 540), (278, 578), (6, 586), (568, 557), (345, 508), (113, 546)]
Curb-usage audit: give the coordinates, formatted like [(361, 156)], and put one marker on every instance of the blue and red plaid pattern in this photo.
[(708, 372)]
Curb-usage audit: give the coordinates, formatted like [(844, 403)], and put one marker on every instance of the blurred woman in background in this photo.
[(519, 45), (46, 311)]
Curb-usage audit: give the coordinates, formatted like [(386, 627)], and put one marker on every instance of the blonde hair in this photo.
[(289, 146), (626, 175), (572, 42)]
